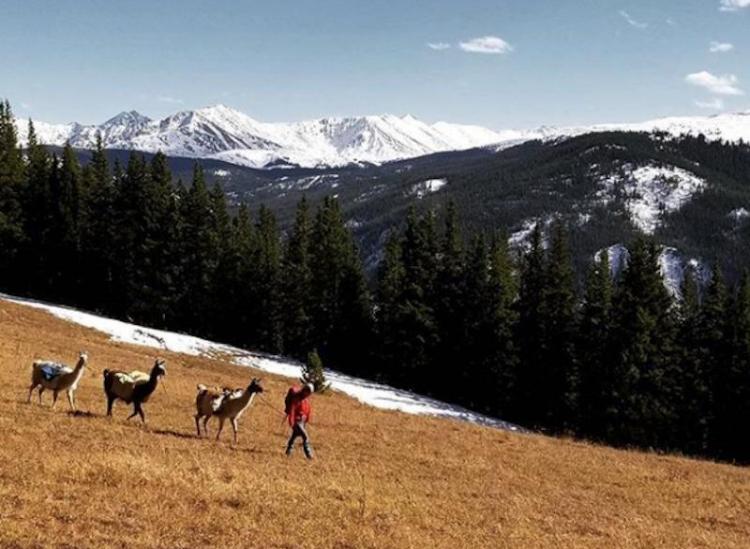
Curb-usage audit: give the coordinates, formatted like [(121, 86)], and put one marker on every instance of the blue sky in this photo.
[(498, 63)]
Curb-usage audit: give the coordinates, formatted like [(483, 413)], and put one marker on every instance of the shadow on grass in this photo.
[(82, 413), (171, 433)]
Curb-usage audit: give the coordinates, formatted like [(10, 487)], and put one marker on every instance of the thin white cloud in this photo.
[(671, 22), (733, 5), (438, 46), (486, 44), (170, 100), (632, 21), (720, 47), (724, 84), (26, 106), (715, 104)]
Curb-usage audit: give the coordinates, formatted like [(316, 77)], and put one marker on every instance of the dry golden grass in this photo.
[(380, 479)]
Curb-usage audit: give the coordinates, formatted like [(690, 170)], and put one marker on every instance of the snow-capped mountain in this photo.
[(226, 134), (725, 126), (222, 133)]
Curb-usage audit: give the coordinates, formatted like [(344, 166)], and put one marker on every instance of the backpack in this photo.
[(289, 400)]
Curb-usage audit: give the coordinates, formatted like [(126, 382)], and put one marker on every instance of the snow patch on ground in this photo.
[(617, 255), (519, 239), (672, 263), (738, 214), (420, 190), (674, 266), (649, 191), (368, 392), (222, 173)]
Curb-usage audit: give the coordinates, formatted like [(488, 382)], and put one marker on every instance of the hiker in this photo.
[(298, 413)]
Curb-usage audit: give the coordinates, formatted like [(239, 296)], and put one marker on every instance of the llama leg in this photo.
[(110, 401), (70, 401), (234, 429), (221, 426), (54, 398), (135, 412), (140, 413), (31, 390), (197, 425), (41, 390), (205, 425)]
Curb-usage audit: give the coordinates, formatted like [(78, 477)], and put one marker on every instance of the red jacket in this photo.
[(297, 406)]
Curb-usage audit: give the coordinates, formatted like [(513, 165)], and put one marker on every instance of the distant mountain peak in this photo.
[(224, 133), (127, 117)]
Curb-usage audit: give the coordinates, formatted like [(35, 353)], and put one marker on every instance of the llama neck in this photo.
[(247, 398), (78, 370), (150, 385)]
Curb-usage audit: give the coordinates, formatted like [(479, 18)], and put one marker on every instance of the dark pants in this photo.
[(298, 430)]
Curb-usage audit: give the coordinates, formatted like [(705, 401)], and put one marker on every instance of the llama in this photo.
[(225, 404), (57, 377), (207, 401), (133, 388)]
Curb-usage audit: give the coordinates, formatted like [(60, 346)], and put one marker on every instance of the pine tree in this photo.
[(693, 396), (312, 372), (130, 227), (12, 178), (558, 383), (645, 373), (201, 252), (235, 281), (594, 350), (450, 304), (390, 318), (529, 407), (296, 280), (163, 248), (502, 352), (98, 231), (417, 314), (268, 284), (737, 445), (37, 205), (713, 351), (341, 312), (64, 251), (474, 381)]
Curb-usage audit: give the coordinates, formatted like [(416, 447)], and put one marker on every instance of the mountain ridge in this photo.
[(221, 133)]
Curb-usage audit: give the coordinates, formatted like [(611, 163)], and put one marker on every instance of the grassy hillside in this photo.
[(381, 479)]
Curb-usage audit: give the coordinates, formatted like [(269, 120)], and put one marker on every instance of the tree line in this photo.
[(461, 317)]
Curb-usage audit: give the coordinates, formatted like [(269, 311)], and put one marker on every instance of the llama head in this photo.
[(255, 386), (159, 368), (83, 357)]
